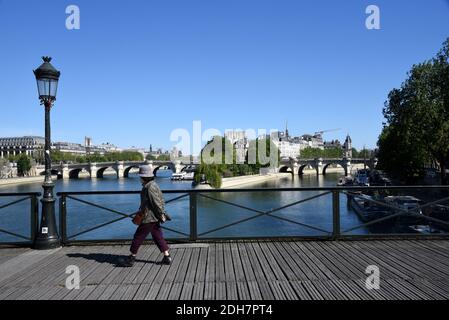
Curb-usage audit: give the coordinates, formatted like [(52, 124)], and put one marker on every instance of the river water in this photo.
[(315, 216)]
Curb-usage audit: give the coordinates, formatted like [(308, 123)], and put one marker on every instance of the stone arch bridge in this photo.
[(122, 168), (320, 165)]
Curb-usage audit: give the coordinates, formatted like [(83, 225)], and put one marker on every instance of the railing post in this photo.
[(193, 216), (336, 214), (63, 218), (34, 217)]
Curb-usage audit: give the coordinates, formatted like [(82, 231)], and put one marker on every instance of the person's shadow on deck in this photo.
[(114, 259)]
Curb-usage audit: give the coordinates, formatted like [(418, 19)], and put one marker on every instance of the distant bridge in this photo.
[(121, 168), (297, 166)]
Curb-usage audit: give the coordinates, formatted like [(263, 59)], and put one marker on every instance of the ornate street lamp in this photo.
[(47, 78)]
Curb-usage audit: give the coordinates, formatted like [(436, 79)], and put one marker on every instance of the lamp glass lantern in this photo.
[(47, 78)]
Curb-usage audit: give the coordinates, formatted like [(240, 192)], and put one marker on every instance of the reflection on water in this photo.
[(310, 218)]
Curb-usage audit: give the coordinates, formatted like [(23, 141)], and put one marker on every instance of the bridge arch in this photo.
[(285, 169), (128, 169), (170, 166), (74, 173), (304, 166), (335, 163), (100, 171)]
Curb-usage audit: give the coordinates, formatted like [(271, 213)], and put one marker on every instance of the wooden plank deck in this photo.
[(239, 270)]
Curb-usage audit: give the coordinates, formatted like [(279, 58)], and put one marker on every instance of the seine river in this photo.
[(316, 213)]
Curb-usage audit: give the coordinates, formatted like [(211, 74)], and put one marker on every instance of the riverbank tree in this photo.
[(314, 153), (219, 159), (161, 157), (23, 165), (65, 157), (416, 131)]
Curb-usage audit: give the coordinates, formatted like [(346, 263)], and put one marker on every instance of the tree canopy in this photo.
[(219, 159), (58, 156), (313, 153), (416, 131), (23, 164), (160, 157)]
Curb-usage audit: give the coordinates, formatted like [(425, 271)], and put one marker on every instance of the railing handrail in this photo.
[(13, 194), (34, 214), (351, 188), (336, 191)]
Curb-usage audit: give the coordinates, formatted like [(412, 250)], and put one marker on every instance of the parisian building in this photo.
[(32, 146), (69, 147), (347, 147)]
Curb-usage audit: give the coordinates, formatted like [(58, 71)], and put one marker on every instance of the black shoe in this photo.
[(166, 260), (128, 261)]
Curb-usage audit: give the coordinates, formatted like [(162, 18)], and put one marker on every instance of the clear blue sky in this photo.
[(136, 70)]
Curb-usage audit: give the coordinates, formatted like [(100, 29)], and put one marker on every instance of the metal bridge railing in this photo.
[(34, 212), (336, 232), (191, 215), (337, 229), (261, 213), (398, 212), (64, 196)]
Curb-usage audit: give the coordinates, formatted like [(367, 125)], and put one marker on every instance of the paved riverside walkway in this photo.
[(409, 269)]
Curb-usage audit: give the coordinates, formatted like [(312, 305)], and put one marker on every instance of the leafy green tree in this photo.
[(212, 174), (311, 153), (58, 156), (214, 177), (333, 153), (365, 153), (162, 157), (399, 156), (218, 151), (219, 159), (3, 164), (262, 153), (12, 158), (417, 121), (23, 164)]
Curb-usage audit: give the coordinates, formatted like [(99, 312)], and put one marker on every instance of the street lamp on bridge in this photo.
[(47, 78)]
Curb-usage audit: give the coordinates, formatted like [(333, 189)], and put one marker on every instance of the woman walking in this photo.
[(152, 214)]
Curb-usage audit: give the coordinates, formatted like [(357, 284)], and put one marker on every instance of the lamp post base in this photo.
[(43, 243), (47, 237)]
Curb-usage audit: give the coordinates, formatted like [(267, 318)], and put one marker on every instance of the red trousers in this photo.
[(143, 231)]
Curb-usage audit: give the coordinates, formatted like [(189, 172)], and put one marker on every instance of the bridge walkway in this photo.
[(234, 270)]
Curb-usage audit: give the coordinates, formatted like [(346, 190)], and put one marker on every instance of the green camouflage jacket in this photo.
[(151, 196)]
